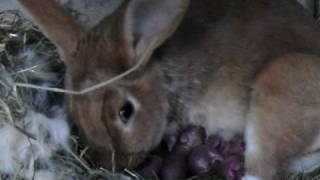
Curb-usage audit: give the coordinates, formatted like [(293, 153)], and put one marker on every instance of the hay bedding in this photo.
[(35, 138)]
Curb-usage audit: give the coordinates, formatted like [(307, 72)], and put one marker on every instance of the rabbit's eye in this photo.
[(126, 112)]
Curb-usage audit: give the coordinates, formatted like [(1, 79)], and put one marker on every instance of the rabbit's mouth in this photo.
[(116, 160)]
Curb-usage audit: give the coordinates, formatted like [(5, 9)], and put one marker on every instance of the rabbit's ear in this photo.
[(56, 23), (148, 23)]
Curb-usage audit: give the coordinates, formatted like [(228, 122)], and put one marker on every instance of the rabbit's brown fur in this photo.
[(231, 66)]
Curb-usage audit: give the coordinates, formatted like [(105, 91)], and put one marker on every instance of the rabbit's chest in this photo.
[(221, 109)]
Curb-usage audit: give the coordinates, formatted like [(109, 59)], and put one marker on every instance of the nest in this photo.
[(29, 115)]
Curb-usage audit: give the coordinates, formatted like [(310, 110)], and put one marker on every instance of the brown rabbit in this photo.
[(229, 65)]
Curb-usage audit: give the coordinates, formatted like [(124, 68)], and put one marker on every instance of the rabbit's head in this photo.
[(126, 119)]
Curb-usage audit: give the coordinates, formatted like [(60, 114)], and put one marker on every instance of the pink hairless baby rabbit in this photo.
[(232, 66)]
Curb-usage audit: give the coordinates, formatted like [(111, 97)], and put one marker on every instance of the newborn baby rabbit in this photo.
[(232, 66)]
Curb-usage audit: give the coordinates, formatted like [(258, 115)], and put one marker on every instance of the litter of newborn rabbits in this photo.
[(36, 140), (194, 154)]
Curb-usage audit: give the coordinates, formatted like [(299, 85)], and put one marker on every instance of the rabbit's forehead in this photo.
[(88, 76), (99, 58), (101, 65)]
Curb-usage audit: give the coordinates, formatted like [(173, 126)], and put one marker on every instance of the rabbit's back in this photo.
[(213, 59)]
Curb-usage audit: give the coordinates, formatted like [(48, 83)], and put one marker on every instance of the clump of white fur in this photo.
[(20, 151)]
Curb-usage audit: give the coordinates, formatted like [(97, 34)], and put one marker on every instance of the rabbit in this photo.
[(231, 66)]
